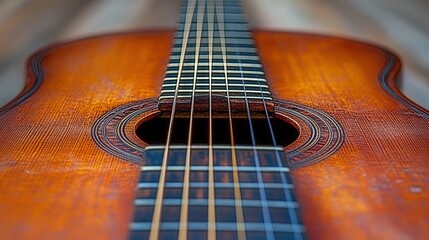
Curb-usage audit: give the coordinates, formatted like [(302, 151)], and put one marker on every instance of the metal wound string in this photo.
[(265, 212), (297, 232)]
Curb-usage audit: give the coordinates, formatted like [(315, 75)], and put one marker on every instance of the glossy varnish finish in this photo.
[(377, 184), (56, 183)]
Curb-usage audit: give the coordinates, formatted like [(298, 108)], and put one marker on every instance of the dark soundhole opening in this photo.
[(155, 130)]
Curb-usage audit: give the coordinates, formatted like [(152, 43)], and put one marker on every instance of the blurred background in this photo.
[(403, 26)]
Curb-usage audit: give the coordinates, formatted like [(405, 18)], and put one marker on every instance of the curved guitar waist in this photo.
[(358, 159)]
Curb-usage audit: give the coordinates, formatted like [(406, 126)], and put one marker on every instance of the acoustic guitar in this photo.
[(213, 131)]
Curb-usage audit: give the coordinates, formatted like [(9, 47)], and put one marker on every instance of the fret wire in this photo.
[(234, 90), (173, 57), (249, 55), (226, 45), (218, 168), (215, 64), (202, 74), (167, 86), (233, 97), (222, 226), (231, 78), (219, 202), (232, 93), (204, 84), (177, 50), (156, 219), (228, 15), (218, 53), (231, 10), (225, 186), (256, 72), (215, 90), (237, 22), (204, 62), (220, 185), (243, 39), (227, 40), (228, 34), (231, 5), (226, 31), (228, 26), (217, 75), (247, 50), (216, 147), (249, 79), (224, 168)]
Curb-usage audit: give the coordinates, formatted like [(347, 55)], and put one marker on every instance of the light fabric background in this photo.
[(403, 26)]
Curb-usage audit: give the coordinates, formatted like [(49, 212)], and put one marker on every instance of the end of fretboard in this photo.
[(219, 104)]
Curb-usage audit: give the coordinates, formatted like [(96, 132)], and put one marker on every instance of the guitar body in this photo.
[(57, 183)]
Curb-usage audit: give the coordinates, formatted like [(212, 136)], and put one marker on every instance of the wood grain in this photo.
[(55, 182), (29, 24), (376, 186)]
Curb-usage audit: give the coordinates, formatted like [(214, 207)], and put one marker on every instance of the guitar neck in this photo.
[(238, 193), (213, 191), (214, 57)]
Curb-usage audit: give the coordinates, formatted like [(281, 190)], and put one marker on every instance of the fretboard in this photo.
[(216, 182), (214, 56), (241, 197)]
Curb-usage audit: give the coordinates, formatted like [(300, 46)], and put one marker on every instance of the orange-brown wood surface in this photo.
[(55, 183), (376, 186)]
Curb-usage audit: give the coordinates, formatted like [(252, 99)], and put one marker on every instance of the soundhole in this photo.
[(155, 130), (310, 135)]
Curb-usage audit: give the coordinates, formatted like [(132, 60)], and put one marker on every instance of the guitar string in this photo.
[(211, 195), (265, 212), (183, 226), (210, 117), (266, 215), (297, 233), (156, 217), (237, 194)]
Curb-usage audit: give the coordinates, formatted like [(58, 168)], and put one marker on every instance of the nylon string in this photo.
[(215, 8), (211, 195), (156, 218), (237, 194), (183, 228)]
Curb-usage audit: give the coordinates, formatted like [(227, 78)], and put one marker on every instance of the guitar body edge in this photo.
[(57, 183)]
